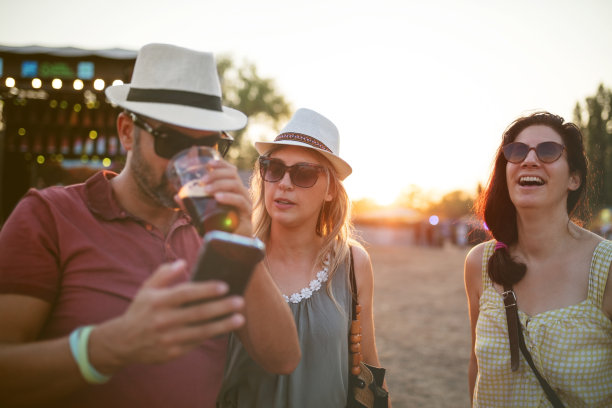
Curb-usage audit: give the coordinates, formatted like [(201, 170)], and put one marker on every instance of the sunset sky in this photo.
[(420, 91)]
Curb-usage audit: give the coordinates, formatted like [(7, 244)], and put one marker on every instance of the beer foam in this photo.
[(193, 188)]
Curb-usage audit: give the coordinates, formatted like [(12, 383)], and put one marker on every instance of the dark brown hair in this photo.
[(497, 210)]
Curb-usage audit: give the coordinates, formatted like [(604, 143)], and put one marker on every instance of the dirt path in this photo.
[(422, 325)]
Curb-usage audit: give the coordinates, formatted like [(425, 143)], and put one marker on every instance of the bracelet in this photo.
[(79, 339)]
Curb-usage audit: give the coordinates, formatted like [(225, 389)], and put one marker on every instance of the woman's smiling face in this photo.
[(533, 183)]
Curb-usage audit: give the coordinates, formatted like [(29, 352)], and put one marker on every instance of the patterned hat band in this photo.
[(299, 137), (311, 130)]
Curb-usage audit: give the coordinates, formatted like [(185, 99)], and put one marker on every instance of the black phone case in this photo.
[(230, 258)]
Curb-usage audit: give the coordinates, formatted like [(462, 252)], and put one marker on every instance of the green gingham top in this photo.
[(571, 347)]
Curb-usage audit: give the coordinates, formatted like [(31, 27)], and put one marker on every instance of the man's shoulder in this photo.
[(57, 192), (66, 196), (57, 195)]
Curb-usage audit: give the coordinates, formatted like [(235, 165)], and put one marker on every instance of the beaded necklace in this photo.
[(313, 286)]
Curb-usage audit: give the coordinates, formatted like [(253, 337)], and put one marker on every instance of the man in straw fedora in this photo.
[(94, 277)]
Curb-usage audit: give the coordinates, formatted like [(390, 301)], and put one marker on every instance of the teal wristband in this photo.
[(79, 340), (74, 342)]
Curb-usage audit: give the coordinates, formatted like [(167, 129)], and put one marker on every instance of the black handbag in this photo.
[(365, 381)]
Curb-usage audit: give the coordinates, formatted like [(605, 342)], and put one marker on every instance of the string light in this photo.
[(98, 84), (39, 145)]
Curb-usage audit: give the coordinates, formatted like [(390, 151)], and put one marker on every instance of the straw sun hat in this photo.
[(178, 86), (312, 130)]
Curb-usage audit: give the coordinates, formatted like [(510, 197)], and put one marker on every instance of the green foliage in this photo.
[(413, 197), (256, 97), (364, 205), (595, 121), (453, 205)]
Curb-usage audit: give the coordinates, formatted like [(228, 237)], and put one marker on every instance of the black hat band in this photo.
[(186, 98)]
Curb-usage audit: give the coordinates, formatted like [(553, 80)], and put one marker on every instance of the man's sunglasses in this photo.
[(169, 142), (303, 175), (547, 152)]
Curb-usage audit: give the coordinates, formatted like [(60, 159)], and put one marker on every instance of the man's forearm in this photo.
[(36, 372), (269, 335)]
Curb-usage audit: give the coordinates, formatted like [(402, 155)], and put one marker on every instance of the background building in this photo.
[(55, 124)]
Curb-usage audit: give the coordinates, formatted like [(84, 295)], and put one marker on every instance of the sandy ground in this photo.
[(422, 325)]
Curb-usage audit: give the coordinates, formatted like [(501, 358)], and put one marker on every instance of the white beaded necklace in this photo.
[(312, 287)]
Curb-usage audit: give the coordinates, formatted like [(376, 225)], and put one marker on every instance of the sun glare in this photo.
[(381, 195), (385, 198)]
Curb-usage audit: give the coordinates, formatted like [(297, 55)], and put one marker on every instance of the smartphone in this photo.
[(230, 258)]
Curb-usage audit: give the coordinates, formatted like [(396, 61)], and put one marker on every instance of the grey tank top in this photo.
[(320, 379)]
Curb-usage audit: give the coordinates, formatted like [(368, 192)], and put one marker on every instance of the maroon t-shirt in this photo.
[(77, 249)]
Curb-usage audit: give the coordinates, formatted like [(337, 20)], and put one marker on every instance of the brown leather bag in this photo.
[(365, 381)]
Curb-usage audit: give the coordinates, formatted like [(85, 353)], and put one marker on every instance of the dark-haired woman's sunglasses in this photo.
[(547, 152), (303, 175), (169, 142)]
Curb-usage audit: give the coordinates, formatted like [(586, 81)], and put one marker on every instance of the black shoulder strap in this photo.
[(353, 283)]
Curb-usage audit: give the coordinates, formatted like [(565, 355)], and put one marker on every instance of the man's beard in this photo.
[(161, 192)]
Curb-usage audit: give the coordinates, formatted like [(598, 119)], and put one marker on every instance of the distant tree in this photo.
[(479, 189), (453, 205), (256, 97), (363, 205), (595, 121), (413, 197)]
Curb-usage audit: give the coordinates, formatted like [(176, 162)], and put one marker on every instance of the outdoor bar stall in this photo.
[(56, 127)]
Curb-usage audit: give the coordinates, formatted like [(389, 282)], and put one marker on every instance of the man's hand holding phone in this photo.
[(157, 327), (230, 258)]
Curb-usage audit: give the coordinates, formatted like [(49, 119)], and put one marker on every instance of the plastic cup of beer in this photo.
[(185, 171)]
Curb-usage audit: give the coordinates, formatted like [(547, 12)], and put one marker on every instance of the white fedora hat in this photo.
[(310, 129), (178, 86)]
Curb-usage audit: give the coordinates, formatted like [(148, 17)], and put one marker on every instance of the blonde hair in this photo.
[(334, 224)]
